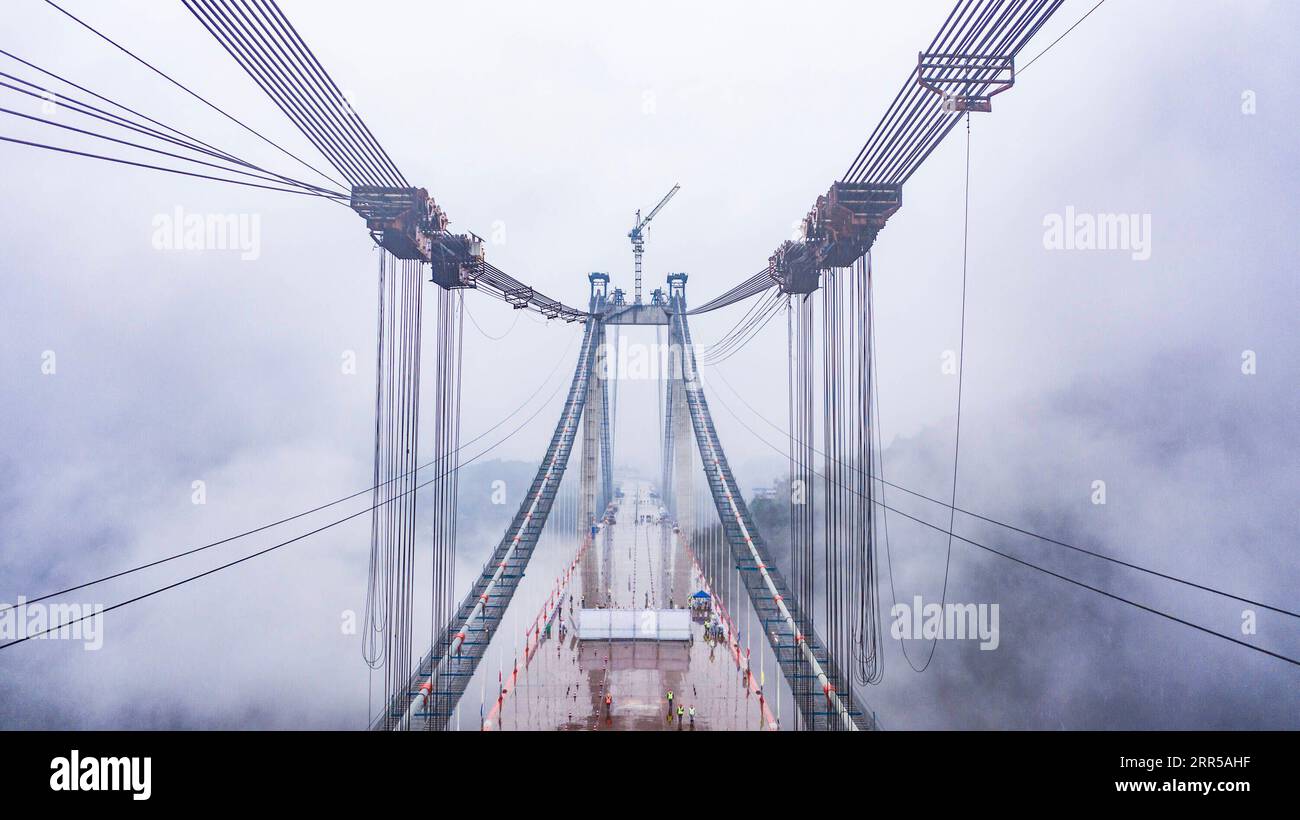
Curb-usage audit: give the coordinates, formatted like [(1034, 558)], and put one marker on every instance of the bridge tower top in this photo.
[(599, 286), (676, 286)]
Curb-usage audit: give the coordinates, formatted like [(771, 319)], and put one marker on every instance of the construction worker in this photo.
[(670, 704), (692, 713), (609, 702), (680, 713)]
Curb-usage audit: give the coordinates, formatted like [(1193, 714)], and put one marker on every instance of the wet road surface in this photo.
[(636, 562)]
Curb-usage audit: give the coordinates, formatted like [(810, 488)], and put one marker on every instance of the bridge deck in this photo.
[(562, 685)]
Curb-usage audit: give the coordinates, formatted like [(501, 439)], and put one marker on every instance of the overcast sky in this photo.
[(546, 126)]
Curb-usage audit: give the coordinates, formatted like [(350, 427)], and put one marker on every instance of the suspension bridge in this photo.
[(690, 594)]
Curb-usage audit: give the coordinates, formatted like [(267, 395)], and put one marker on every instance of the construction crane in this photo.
[(637, 235)]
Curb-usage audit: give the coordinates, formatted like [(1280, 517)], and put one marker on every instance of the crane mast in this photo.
[(638, 237)]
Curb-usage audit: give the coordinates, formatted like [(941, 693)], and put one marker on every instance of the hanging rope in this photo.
[(961, 371), (956, 447), (387, 626), (853, 630), (803, 571), (867, 643), (450, 336)]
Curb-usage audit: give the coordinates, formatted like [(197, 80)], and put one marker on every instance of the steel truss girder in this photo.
[(798, 654)]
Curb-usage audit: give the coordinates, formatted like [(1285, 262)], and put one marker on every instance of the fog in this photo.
[(544, 128)]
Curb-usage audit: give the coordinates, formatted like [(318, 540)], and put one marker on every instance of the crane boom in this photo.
[(659, 207)]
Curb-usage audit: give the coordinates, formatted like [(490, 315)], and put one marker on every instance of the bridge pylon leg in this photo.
[(683, 463), (589, 478)]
